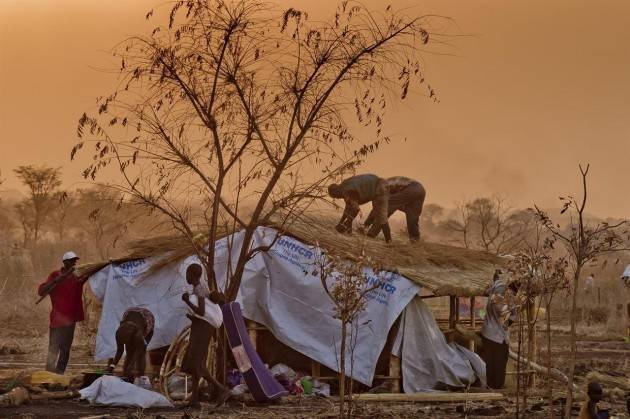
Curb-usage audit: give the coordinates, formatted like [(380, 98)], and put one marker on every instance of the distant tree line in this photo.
[(482, 223), (97, 216)]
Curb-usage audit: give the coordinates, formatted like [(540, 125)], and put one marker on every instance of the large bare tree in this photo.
[(42, 183), (233, 114), (491, 225), (584, 244), (103, 217)]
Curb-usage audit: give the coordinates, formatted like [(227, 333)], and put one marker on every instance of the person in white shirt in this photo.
[(500, 314)]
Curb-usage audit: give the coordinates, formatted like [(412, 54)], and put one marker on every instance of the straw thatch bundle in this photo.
[(443, 270)]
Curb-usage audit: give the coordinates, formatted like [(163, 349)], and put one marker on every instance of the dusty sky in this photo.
[(536, 88)]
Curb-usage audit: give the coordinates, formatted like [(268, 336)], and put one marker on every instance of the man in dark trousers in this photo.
[(359, 190), (406, 195), (66, 295), (204, 315), (132, 337), (500, 314)]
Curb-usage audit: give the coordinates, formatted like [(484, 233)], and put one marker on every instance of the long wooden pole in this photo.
[(428, 397), (471, 345), (551, 372), (452, 321)]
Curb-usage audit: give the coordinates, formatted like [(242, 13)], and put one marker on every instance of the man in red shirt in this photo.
[(66, 297)]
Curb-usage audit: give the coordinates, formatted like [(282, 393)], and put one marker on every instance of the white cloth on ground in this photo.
[(112, 391)]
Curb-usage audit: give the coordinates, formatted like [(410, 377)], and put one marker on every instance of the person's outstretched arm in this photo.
[(120, 347), (199, 309)]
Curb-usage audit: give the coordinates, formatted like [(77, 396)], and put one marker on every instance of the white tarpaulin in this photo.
[(428, 361), (277, 290), (112, 391), (284, 296), (122, 286)]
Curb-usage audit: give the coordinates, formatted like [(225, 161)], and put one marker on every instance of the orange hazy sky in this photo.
[(537, 87)]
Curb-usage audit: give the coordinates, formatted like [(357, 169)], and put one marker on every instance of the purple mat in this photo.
[(258, 378)]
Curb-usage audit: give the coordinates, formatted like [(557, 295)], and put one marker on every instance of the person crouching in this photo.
[(590, 408), (204, 314), (133, 336)]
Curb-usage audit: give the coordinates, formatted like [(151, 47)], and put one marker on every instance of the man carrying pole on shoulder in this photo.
[(66, 296)]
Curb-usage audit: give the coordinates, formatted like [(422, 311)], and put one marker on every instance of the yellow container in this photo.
[(47, 377)]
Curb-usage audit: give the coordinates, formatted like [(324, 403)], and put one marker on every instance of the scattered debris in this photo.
[(15, 397)]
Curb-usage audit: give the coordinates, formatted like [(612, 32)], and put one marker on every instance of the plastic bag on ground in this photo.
[(307, 384), (177, 387), (281, 369), (143, 382), (113, 391), (321, 389), (239, 389), (234, 378)]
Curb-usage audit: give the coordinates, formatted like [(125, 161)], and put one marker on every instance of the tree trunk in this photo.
[(572, 338), (549, 381), (220, 365), (518, 365), (342, 371), (531, 346)]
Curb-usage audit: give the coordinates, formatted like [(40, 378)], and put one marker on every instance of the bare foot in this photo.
[(223, 397), (194, 405)]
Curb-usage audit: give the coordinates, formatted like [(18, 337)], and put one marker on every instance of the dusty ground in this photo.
[(600, 353)]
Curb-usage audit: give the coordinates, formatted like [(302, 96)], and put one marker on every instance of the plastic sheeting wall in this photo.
[(279, 291), (427, 360)]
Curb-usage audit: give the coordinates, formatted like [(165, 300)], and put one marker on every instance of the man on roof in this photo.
[(359, 190), (406, 195), (66, 295)]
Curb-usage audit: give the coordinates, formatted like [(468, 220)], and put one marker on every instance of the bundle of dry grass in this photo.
[(443, 270), (168, 249)]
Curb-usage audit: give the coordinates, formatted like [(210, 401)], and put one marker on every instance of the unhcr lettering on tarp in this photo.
[(295, 247), (294, 252), (130, 269), (385, 290)]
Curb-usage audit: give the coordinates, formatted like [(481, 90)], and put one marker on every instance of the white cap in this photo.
[(69, 256)]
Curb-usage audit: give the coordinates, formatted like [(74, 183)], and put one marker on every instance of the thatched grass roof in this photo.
[(441, 269)]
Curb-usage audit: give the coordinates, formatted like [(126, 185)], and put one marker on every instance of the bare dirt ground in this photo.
[(607, 354)]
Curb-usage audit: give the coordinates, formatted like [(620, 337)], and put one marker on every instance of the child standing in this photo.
[(204, 315)]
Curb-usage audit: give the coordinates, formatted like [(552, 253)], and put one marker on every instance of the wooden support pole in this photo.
[(452, 320), (315, 369), (473, 322), (394, 373), (252, 331), (457, 309), (429, 397)]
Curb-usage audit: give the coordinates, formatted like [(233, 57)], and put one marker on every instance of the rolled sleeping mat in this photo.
[(263, 386)]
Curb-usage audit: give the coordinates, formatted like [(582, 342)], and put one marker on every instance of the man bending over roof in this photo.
[(406, 195), (359, 190)]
